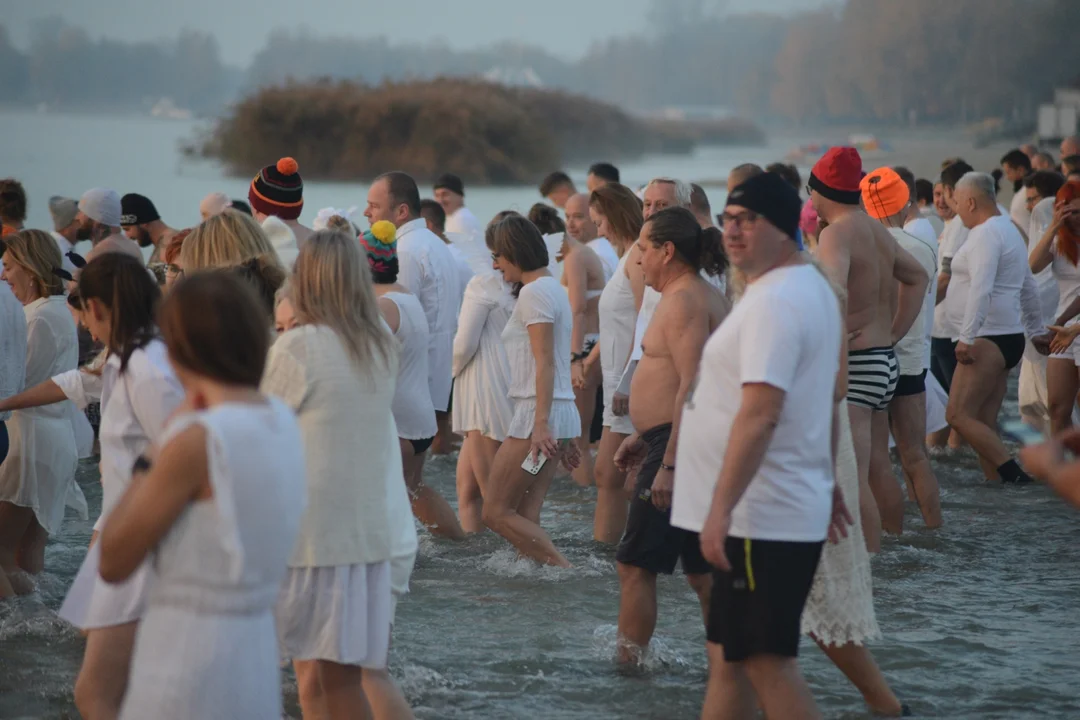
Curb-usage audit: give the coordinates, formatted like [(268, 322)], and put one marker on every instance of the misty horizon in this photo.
[(565, 28)]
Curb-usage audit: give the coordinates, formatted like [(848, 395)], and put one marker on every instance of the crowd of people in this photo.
[(263, 395)]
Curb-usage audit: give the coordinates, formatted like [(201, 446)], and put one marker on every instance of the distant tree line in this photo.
[(859, 61)]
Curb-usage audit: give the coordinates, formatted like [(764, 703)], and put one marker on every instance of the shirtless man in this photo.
[(860, 255), (674, 249), (583, 277)]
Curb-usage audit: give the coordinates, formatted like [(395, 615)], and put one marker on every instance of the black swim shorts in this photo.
[(650, 541), (756, 608), (910, 385)]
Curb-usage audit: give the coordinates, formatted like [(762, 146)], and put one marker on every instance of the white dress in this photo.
[(39, 472), (206, 647), (618, 318), (135, 407), (12, 346), (413, 411), (542, 301), (481, 368), (840, 607)]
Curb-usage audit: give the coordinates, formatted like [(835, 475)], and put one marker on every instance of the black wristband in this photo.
[(669, 468)]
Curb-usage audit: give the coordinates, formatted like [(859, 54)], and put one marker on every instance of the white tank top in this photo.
[(617, 320), (413, 409)]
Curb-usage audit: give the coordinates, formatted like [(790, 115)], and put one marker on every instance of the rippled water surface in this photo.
[(980, 619)]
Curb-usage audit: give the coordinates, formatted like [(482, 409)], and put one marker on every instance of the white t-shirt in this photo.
[(784, 332), (463, 221), (1018, 210), (924, 230), (543, 300), (952, 239), (913, 350), (992, 291), (931, 216)]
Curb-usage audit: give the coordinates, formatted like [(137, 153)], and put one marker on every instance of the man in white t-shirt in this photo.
[(887, 196), (755, 457), (428, 270), (450, 193)]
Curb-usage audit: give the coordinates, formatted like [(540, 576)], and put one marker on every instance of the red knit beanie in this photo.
[(837, 174)]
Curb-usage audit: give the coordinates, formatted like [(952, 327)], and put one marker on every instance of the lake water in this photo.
[(981, 618)]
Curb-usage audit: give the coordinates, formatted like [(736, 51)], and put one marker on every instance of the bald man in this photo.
[(994, 300), (581, 227), (1070, 146), (741, 174)]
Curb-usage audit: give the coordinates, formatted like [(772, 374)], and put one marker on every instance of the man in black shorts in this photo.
[(674, 250), (755, 459)]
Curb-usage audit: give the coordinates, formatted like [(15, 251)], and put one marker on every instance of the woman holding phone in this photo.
[(537, 340)]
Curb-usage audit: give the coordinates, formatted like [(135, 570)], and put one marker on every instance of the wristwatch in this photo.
[(669, 468)]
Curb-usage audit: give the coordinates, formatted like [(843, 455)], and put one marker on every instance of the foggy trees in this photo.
[(857, 61)]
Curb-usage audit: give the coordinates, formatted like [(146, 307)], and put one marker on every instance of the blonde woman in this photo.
[(337, 370), (226, 240), (39, 471)]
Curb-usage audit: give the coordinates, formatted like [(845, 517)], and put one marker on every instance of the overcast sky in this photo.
[(564, 27)]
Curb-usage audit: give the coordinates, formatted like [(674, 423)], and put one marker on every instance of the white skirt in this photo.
[(618, 424), (40, 466), (481, 400), (340, 613), (564, 421), (198, 665), (840, 607), (92, 603)]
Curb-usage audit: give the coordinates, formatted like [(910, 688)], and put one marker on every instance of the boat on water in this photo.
[(869, 147)]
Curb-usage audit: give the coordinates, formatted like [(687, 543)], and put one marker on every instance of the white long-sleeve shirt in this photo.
[(428, 269), (992, 291), (12, 346)]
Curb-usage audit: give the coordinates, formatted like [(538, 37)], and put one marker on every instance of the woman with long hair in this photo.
[(218, 506), (1059, 249), (414, 413), (545, 419), (337, 370), (39, 470), (481, 381), (226, 240), (617, 214), (138, 392)]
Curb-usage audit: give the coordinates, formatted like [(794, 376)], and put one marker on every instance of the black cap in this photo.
[(137, 209), (452, 183), (773, 198)]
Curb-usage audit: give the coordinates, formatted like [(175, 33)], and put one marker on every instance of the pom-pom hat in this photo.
[(837, 174), (278, 190), (380, 244)]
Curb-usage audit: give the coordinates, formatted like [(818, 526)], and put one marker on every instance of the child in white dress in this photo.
[(217, 509)]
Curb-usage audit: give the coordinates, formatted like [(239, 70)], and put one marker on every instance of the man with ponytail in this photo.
[(674, 250)]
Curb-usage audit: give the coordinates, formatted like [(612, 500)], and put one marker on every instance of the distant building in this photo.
[(1059, 119)]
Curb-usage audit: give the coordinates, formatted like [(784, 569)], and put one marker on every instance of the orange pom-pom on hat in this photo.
[(278, 190), (287, 166)]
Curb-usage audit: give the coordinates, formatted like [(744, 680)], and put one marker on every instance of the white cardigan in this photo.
[(355, 486)]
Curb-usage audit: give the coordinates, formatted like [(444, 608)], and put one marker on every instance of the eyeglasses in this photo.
[(809, 190), (495, 257), (742, 220)]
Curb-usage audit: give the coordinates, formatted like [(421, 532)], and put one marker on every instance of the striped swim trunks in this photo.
[(872, 377)]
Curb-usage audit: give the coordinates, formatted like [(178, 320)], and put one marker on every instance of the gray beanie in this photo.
[(63, 211), (102, 205)]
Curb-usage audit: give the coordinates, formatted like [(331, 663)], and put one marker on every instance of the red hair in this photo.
[(1068, 242)]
